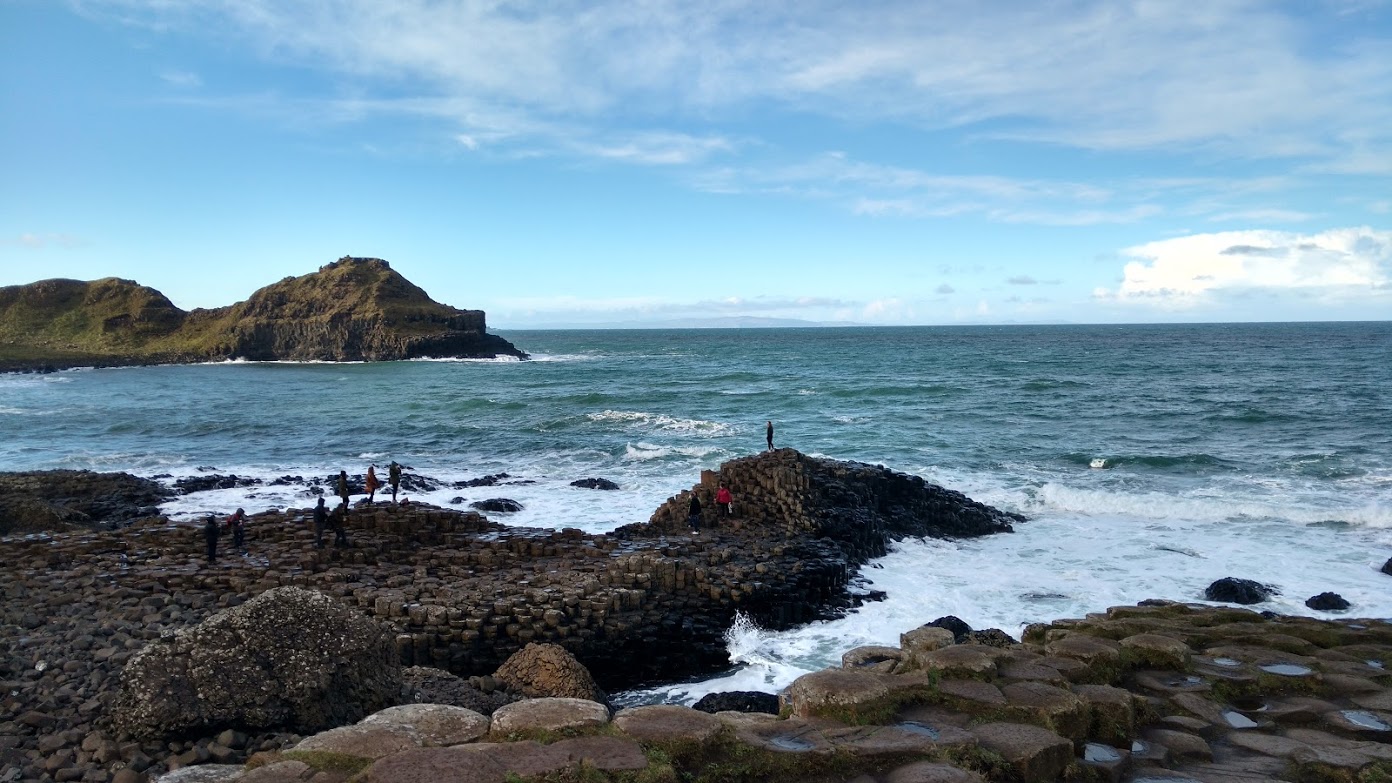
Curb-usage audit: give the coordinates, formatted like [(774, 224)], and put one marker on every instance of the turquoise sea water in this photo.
[(1151, 459)]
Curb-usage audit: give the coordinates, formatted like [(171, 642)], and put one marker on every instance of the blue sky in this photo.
[(613, 162)]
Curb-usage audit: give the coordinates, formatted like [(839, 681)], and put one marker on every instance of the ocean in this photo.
[(1150, 459)]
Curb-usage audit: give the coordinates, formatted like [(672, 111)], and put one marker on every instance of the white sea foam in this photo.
[(662, 421), (467, 360)]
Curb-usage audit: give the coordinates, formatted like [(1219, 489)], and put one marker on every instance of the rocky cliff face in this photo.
[(354, 309)]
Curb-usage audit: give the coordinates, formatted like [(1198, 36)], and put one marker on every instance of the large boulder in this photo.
[(289, 659), (1238, 591), (547, 670)]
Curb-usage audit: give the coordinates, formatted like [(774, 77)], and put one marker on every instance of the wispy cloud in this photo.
[(37, 241), (1092, 74), (182, 79)]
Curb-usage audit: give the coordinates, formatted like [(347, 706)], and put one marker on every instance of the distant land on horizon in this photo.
[(726, 322), (353, 309)]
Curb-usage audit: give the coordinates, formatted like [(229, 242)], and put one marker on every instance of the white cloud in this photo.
[(1346, 264)]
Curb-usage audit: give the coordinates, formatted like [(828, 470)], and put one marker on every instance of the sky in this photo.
[(643, 161)]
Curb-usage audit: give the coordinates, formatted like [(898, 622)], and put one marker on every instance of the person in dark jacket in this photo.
[(768, 435), (394, 478), (693, 516), (343, 486), (340, 522), (321, 521), (210, 535)]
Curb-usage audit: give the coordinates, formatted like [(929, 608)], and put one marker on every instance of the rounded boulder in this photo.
[(289, 659), (547, 670)]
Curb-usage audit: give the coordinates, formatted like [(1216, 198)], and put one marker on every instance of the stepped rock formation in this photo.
[(459, 592), (354, 309)]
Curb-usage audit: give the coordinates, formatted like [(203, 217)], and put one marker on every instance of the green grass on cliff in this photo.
[(115, 321)]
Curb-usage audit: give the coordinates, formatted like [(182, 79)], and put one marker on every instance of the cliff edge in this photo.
[(354, 309)]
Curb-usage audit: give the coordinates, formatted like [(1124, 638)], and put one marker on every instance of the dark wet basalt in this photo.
[(646, 603), (48, 500)]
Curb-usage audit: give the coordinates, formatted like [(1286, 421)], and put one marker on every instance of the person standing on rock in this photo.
[(210, 536), (371, 483), (768, 435), (723, 500), (394, 478), (343, 486), (321, 521), (693, 516), (340, 526), (237, 525)]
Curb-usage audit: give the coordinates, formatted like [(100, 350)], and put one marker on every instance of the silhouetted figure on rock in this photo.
[(768, 435), (693, 517), (210, 536), (394, 478), (321, 521)]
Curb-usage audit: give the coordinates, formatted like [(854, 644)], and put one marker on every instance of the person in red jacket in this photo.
[(723, 499)]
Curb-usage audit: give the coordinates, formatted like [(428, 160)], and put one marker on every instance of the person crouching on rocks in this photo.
[(693, 516), (210, 535), (723, 500), (321, 521), (236, 524), (371, 483)]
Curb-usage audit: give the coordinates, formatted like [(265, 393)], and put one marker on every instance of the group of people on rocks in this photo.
[(323, 517)]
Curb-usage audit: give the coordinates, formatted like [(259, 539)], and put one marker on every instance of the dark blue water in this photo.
[(1152, 459)]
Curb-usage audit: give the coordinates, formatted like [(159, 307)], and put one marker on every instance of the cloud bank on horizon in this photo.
[(561, 163)]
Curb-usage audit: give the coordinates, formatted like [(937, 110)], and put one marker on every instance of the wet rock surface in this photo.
[(459, 593), (46, 500), (1238, 591), (1128, 718)]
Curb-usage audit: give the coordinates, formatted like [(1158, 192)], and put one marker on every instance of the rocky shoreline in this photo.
[(645, 603)]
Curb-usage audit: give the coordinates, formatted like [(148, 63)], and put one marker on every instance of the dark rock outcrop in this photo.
[(547, 670), (594, 483), (1327, 602), (64, 499), (1238, 591), (427, 685), (288, 658), (193, 484), (1387, 567), (354, 309), (497, 505), (738, 701), (954, 624)]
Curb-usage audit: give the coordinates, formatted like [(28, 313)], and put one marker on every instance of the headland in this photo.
[(353, 309)]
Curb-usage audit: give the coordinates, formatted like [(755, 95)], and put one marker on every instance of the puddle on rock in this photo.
[(1365, 720), (1287, 669), (1237, 720), (1185, 682), (915, 727), (1227, 662), (1101, 754), (784, 742), (1375, 664)]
